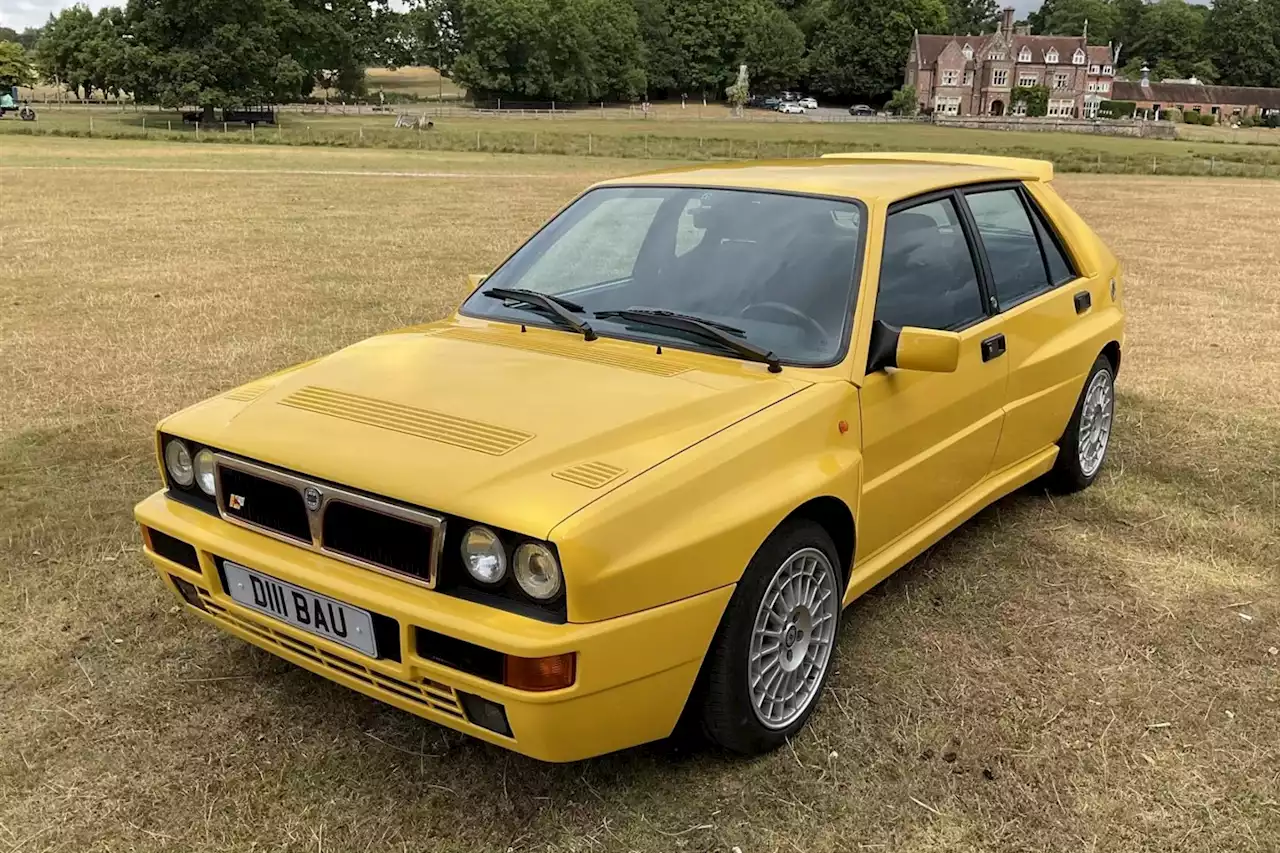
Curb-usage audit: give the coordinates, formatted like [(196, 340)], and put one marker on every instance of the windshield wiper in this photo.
[(561, 308), (726, 336)]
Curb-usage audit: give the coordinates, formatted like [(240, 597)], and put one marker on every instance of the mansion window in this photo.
[(1028, 80), (1000, 77), (946, 106), (1094, 69), (968, 77), (1024, 55), (1061, 80), (996, 55), (1020, 108), (968, 52), (1107, 69), (948, 78), (1052, 56), (1062, 108), (1078, 57)]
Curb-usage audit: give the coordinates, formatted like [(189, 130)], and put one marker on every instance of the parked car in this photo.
[(772, 103), (808, 103), (861, 110), (790, 108), (554, 520)]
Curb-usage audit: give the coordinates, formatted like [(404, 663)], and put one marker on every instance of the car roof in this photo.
[(868, 177)]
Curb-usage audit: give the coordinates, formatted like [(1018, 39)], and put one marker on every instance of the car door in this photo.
[(928, 438), (1044, 305)]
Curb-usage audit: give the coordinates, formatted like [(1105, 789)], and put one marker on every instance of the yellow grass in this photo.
[(1066, 674)]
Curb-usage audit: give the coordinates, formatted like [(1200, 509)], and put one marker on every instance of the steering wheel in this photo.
[(785, 313)]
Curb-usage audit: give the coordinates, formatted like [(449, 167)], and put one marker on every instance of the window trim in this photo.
[(856, 280), (1033, 212), (976, 254)]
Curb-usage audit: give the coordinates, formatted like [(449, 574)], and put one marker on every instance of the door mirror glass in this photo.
[(927, 350)]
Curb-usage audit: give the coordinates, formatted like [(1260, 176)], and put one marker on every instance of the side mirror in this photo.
[(476, 279), (928, 350), (911, 348)]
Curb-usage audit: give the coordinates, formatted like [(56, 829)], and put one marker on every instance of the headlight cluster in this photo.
[(534, 564), (186, 470)]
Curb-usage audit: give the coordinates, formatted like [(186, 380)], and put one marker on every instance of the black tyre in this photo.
[(1083, 447), (771, 655)]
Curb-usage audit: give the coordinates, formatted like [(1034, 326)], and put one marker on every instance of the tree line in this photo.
[(211, 53)]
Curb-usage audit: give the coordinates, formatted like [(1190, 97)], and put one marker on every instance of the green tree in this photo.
[(15, 67), (661, 61), (971, 16), (903, 102), (1170, 31), (63, 52), (862, 49), (1242, 39), (427, 34), (563, 50), (773, 47), (1067, 17), (211, 53), (1035, 97)]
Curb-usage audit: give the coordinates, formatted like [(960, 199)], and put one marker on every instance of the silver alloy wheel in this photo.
[(1095, 422), (792, 638)]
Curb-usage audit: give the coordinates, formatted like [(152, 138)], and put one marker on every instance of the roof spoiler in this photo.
[(1028, 169)]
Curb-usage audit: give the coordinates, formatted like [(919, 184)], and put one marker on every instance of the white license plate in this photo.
[(312, 612)]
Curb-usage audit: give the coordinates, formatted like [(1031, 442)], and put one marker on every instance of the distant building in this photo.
[(1226, 102), (975, 75)]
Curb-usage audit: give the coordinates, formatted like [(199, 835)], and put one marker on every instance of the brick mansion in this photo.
[(975, 75)]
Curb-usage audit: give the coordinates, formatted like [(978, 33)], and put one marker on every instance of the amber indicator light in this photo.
[(550, 673)]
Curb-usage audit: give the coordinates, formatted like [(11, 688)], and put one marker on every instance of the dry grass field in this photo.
[(1092, 673)]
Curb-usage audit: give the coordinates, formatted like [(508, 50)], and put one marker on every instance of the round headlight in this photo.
[(537, 571), (177, 458), (483, 555), (204, 471)]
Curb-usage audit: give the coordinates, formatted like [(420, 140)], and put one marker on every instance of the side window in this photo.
[(928, 278), (1060, 269), (1013, 250)]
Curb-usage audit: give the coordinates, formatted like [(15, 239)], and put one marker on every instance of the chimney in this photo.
[(1146, 77), (1006, 20)]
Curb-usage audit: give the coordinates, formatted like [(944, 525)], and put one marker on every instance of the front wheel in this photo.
[(771, 655), (1083, 447)]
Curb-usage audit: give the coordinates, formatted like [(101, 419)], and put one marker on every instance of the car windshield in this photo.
[(777, 270)]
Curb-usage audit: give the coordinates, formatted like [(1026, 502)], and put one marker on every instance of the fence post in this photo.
[(91, 124), (646, 145), (730, 149), (757, 149), (535, 142), (788, 150), (253, 126), (144, 125), (477, 140), (362, 133), (590, 142), (1213, 162), (197, 131), (224, 128), (1153, 165), (171, 125)]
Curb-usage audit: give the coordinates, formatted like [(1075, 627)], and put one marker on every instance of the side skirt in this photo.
[(893, 556)]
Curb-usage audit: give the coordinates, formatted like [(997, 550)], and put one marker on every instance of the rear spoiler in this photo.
[(1027, 169)]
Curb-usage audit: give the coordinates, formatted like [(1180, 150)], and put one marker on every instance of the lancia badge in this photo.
[(312, 497), (235, 502)]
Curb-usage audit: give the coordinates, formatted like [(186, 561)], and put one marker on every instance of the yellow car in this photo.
[(643, 468)]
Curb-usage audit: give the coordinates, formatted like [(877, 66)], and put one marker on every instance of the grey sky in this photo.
[(33, 13)]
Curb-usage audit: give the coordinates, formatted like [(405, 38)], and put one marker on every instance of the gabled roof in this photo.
[(1099, 54), (1196, 93), (931, 47)]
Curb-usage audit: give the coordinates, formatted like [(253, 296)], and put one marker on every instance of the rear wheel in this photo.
[(771, 655), (1083, 447)]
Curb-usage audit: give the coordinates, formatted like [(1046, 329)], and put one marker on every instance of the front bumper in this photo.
[(634, 672)]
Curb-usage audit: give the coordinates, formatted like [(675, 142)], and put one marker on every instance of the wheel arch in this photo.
[(1112, 354), (835, 517)]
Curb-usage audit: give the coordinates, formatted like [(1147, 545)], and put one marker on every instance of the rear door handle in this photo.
[(1083, 301), (993, 347)]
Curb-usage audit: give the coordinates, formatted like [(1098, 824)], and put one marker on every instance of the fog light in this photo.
[(486, 714), (551, 673), (189, 592)]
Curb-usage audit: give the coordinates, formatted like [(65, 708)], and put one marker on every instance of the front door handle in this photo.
[(1083, 301), (993, 347)]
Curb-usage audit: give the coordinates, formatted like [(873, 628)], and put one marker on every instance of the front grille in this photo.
[(427, 694), (264, 503), (373, 537), (347, 525)]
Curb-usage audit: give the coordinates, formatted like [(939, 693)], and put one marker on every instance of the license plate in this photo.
[(312, 612)]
